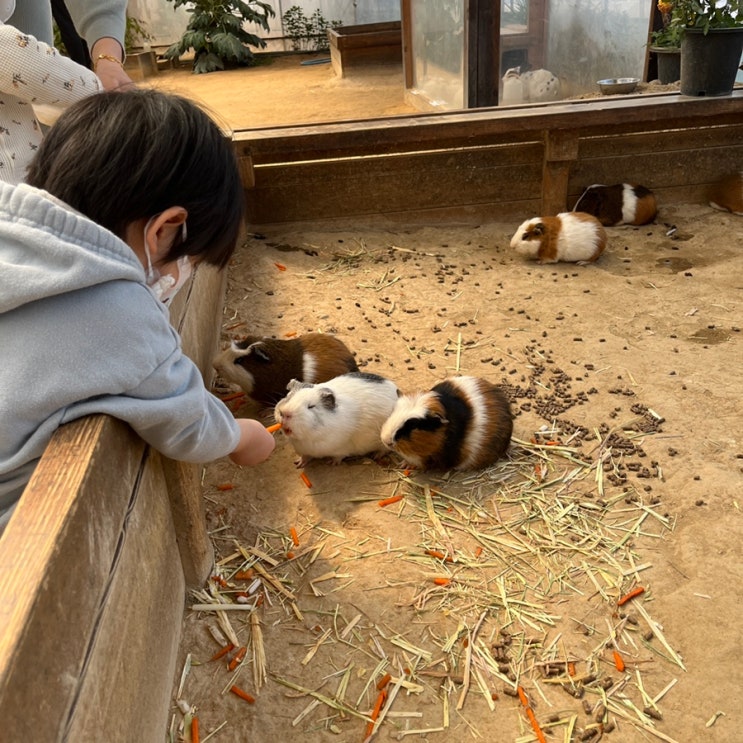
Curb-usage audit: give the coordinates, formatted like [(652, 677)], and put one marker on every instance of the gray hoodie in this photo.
[(81, 333)]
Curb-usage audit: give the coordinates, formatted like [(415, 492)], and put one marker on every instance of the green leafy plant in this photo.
[(135, 32), (307, 33), (669, 36), (216, 34), (706, 14)]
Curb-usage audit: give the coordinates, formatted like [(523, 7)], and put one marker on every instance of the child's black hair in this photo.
[(117, 157)]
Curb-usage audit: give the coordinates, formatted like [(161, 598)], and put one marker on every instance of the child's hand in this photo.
[(256, 444)]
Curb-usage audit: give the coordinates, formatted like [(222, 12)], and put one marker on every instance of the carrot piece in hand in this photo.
[(275, 427)]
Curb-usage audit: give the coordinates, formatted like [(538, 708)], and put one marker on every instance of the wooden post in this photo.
[(560, 153)]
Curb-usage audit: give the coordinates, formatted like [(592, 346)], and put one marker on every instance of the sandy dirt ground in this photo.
[(624, 472)]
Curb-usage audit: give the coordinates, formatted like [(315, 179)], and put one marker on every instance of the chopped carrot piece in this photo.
[(273, 428), (295, 537), (383, 681), (522, 696), (629, 596), (237, 691), (280, 266), (222, 651), (478, 551), (618, 661), (436, 553), (571, 669), (290, 334), (195, 737), (289, 555), (239, 655), (375, 712), (442, 581), (248, 574), (389, 501), (226, 486), (305, 479)]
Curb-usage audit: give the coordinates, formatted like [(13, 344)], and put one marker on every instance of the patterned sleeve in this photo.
[(37, 73)]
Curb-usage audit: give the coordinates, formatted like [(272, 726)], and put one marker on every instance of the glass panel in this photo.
[(578, 41), (438, 42)]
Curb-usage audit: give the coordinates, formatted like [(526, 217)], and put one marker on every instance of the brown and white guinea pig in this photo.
[(263, 367), (574, 237), (622, 203), (339, 418), (727, 193), (463, 423)]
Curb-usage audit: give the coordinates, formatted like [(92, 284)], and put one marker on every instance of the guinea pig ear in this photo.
[(294, 384), (538, 229), (327, 398), (260, 351)]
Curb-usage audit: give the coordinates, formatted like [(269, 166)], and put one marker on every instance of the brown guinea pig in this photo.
[(463, 423), (727, 194), (263, 367), (623, 203), (574, 237)]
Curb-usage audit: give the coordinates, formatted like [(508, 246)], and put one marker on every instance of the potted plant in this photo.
[(216, 34), (711, 44), (665, 43)]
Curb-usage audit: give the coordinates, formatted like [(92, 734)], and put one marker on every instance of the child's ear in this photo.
[(164, 230)]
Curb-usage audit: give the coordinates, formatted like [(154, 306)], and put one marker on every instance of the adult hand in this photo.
[(107, 56)]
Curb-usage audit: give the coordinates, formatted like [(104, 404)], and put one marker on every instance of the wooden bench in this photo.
[(490, 163), (94, 568)]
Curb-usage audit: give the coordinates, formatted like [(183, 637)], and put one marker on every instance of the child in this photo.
[(138, 187)]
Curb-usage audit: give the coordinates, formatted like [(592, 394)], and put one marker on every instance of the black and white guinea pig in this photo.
[(574, 237), (727, 193), (339, 418), (622, 203), (463, 423), (263, 367)]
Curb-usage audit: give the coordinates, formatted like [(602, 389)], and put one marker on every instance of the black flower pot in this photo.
[(669, 63), (709, 62)]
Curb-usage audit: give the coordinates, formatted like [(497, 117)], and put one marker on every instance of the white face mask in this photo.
[(165, 285)]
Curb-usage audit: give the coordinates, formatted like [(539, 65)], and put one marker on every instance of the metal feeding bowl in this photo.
[(618, 85)]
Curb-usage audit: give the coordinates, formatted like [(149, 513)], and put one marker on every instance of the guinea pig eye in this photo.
[(525, 236), (309, 407)]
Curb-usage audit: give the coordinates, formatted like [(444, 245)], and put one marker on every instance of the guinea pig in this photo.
[(623, 203), (462, 423), (540, 85), (574, 237), (727, 194), (339, 418), (263, 367)]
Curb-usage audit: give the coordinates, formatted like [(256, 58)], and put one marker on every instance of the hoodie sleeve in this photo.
[(94, 20), (138, 372)]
